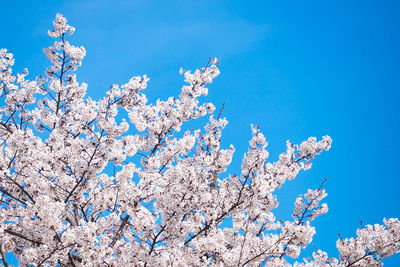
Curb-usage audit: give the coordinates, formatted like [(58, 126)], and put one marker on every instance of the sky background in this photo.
[(295, 68)]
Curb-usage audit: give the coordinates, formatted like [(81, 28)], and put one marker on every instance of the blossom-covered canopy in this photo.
[(82, 186)]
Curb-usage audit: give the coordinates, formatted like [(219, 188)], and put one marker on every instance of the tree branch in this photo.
[(38, 243), (119, 232), (3, 256)]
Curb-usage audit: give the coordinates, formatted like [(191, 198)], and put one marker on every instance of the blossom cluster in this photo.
[(123, 182)]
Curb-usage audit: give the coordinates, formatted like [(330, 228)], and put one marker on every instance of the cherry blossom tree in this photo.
[(82, 186)]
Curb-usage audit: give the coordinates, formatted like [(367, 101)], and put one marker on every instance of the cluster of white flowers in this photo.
[(310, 208), (61, 27), (80, 187)]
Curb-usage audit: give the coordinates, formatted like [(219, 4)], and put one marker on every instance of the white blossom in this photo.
[(123, 182)]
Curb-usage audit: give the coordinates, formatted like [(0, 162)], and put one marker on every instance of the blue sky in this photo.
[(296, 68)]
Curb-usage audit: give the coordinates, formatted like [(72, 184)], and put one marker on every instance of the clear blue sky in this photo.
[(296, 68)]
